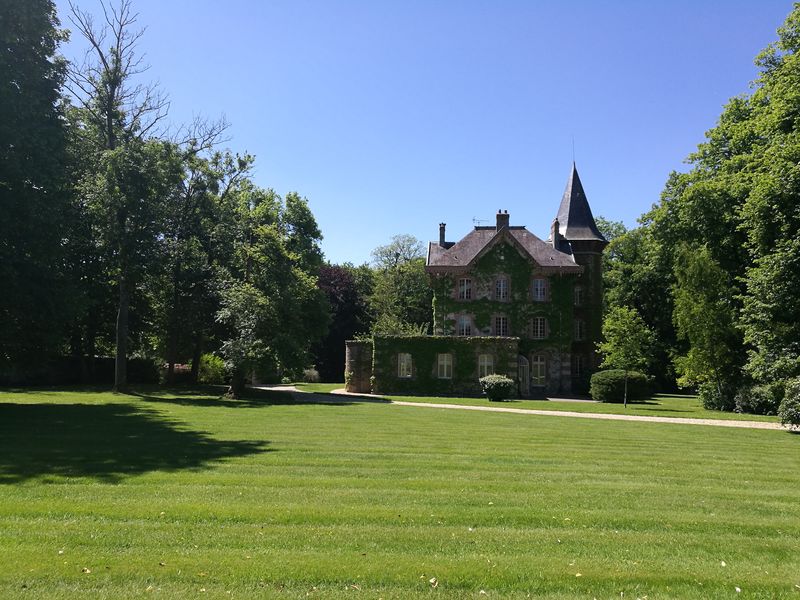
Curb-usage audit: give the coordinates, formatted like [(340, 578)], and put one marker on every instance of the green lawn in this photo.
[(660, 405), (175, 495)]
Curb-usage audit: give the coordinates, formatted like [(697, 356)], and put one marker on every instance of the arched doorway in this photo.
[(524, 376)]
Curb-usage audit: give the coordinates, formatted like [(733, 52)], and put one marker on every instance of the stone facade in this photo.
[(504, 300)]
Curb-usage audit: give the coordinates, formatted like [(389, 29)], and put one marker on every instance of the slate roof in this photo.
[(575, 218), (463, 254)]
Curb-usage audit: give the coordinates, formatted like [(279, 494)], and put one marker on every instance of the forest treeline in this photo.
[(714, 267), (125, 235)]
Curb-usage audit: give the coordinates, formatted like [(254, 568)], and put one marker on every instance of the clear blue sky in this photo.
[(391, 117)]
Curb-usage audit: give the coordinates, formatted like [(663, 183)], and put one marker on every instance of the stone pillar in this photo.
[(358, 367)]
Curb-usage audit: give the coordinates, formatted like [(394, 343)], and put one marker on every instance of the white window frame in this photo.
[(580, 330), (501, 289), (501, 328), (485, 365), (405, 366), (444, 366), (463, 325), (539, 328), (465, 288), (578, 295), (578, 365), (538, 370), (539, 289)]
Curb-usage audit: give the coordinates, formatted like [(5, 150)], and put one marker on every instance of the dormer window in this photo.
[(465, 288), (501, 289), (539, 289)]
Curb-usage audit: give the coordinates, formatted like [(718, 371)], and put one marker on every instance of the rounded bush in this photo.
[(310, 375), (498, 387), (758, 399), (789, 410), (212, 369), (609, 386), (713, 398)]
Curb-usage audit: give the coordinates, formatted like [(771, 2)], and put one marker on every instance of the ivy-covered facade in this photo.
[(505, 301)]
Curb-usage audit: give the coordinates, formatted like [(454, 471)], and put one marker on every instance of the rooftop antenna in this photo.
[(476, 221)]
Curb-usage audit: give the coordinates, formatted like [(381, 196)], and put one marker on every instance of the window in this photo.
[(539, 328), (578, 365), (578, 295), (404, 365), (501, 289), (464, 289), (485, 365), (501, 326), (464, 326), (540, 290), (538, 370), (445, 366), (580, 330)]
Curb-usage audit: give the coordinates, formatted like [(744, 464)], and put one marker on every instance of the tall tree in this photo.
[(347, 289), (272, 310), (705, 316), (32, 163), (119, 116)]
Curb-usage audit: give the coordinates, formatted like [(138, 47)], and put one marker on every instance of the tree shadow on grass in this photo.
[(252, 398), (105, 441)]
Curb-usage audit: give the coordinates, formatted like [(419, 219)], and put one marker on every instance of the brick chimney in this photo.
[(441, 233), (554, 233), (502, 219)]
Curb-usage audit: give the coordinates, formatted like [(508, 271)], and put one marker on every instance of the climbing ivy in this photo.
[(520, 309), (424, 351)]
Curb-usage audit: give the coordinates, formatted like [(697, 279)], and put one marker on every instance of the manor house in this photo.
[(505, 301)]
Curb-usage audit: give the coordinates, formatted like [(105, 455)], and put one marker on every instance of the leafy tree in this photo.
[(33, 203), (401, 300), (627, 343), (611, 230), (402, 249), (705, 317), (118, 116), (347, 289), (288, 311)]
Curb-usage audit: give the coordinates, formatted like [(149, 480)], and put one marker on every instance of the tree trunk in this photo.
[(237, 385), (172, 332), (625, 397), (198, 351), (121, 359)]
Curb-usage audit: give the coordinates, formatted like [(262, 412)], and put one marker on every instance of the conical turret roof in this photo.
[(575, 218)]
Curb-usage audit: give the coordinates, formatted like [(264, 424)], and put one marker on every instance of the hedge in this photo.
[(609, 386)]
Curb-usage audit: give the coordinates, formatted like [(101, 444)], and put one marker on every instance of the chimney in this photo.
[(502, 219), (554, 233), (441, 233)]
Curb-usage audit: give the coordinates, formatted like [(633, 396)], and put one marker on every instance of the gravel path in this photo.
[(346, 396)]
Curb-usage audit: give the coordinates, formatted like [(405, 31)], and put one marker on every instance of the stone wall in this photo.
[(358, 367)]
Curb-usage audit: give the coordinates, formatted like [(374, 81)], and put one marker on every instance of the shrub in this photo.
[(609, 386), (498, 387), (212, 369), (758, 399), (789, 410), (310, 375), (714, 398)]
